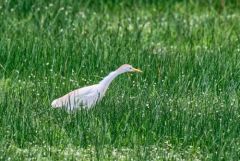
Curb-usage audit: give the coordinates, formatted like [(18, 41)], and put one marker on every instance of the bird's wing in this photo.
[(85, 97), (82, 91), (89, 100)]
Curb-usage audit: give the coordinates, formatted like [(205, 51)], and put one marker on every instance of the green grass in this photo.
[(185, 105)]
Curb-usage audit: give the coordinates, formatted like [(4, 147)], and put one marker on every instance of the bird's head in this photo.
[(128, 68)]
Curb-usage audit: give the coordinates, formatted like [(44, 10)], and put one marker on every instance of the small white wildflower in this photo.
[(82, 14), (147, 105), (130, 27)]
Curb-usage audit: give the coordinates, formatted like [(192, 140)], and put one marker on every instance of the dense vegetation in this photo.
[(184, 106)]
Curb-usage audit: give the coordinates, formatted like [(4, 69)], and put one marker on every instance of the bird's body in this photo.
[(85, 97), (88, 96)]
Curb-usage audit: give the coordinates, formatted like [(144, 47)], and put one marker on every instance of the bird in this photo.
[(88, 96)]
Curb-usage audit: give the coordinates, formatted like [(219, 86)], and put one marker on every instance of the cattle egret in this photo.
[(88, 96)]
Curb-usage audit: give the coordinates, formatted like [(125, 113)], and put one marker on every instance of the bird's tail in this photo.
[(56, 104)]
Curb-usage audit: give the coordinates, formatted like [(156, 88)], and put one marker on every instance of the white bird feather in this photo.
[(88, 96)]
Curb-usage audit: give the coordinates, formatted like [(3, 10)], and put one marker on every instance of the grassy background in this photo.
[(184, 106)]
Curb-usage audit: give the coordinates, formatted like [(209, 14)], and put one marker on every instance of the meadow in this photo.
[(184, 106)]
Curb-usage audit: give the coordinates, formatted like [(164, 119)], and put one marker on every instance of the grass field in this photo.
[(185, 105)]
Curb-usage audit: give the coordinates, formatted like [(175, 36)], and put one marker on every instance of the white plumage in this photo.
[(88, 96)]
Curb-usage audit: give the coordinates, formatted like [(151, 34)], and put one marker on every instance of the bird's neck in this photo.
[(109, 78)]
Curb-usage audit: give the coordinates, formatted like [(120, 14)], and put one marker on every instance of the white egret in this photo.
[(88, 96)]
